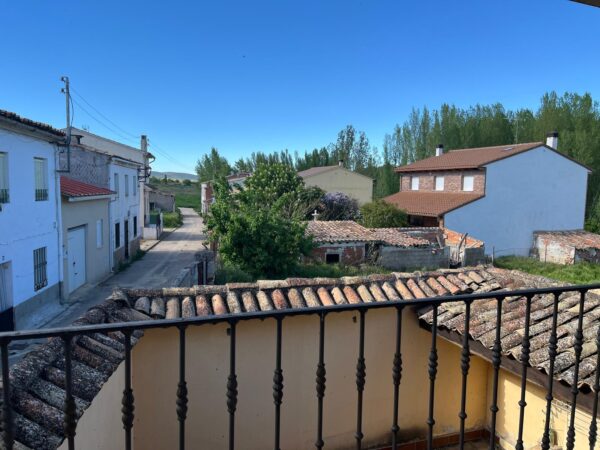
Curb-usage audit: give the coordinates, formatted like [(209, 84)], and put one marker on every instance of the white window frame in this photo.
[(414, 183), (126, 183), (116, 184), (4, 188), (438, 182), (99, 233), (134, 184), (40, 173), (468, 183)]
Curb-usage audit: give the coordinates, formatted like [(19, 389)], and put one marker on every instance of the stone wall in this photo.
[(402, 259), (87, 166), (351, 253)]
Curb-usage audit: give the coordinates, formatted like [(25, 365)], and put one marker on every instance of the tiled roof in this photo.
[(32, 123), (453, 238), (38, 380), (324, 231), (74, 188), (579, 239), (432, 204), (315, 170), (470, 158), (398, 238)]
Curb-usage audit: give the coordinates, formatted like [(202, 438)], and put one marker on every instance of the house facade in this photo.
[(499, 194), (339, 179), (31, 269)]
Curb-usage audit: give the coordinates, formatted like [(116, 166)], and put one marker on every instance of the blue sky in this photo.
[(267, 75)]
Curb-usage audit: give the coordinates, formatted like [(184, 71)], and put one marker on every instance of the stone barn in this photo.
[(566, 247)]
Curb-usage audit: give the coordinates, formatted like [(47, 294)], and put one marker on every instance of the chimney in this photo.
[(552, 140), (439, 150), (144, 143), (341, 163)]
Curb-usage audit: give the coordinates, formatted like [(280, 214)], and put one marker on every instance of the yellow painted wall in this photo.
[(342, 180), (509, 394)]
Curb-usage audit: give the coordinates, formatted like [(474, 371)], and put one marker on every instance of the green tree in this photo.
[(212, 166), (253, 228), (381, 214)]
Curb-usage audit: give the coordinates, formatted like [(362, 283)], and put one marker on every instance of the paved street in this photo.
[(158, 268)]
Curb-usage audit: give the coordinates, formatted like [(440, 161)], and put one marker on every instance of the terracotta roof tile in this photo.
[(431, 204), (470, 158), (32, 123), (74, 188), (579, 239), (339, 231)]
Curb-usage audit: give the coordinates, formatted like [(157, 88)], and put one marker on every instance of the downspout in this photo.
[(57, 201)]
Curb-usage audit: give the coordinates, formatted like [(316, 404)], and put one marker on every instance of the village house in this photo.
[(566, 247), (395, 364), (337, 178), (159, 200), (499, 194), (31, 270)]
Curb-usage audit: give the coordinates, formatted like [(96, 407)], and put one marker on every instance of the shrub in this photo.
[(381, 214), (172, 220), (338, 206)]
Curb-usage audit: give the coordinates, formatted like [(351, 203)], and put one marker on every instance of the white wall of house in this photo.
[(535, 190), (27, 224)]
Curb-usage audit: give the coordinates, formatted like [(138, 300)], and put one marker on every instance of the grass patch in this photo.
[(173, 220), (230, 274), (185, 196), (578, 273)]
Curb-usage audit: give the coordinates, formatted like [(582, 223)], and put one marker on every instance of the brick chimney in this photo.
[(439, 150), (552, 140)]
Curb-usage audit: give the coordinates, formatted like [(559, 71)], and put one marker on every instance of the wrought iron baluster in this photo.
[(361, 373), (524, 362), (593, 425), (7, 421), (464, 365), (232, 385), (278, 386), (496, 360), (552, 347), (433, 358), (578, 347), (182, 391), (127, 402), (397, 376), (69, 420), (321, 381)]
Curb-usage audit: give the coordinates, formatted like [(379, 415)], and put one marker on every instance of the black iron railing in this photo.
[(41, 195), (231, 395), (4, 197)]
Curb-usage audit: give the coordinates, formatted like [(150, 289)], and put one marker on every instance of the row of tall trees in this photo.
[(576, 117)]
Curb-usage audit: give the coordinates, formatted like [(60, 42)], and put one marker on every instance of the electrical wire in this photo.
[(167, 156)]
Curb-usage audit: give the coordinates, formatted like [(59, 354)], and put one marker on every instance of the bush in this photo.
[(173, 220), (381, 214), (338, 206)]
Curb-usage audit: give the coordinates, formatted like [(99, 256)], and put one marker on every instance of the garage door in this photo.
[(76, 258)]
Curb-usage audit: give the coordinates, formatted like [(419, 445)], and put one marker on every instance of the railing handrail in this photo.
[(280, 313)]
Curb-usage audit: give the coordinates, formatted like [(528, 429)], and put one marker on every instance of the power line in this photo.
[(167, 156)]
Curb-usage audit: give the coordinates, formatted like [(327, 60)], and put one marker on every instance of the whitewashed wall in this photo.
[(124, 207), (534, 190), (25, 224)]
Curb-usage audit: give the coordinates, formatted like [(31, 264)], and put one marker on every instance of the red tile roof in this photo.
[(469, 158), (579, 239), (32, 123), (339, 231), (74, 188), (431, 204)]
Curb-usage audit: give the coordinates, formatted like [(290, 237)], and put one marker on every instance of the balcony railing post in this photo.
[(496, 360), (593, 425), (464, 364), (361, 373), (278, 385), (7, 421), (525, 363), (232, 385), (127, 401), (69, 421), (433, 363), (320, 381), (182, 392), (552, 347), (578, 347), (397, 376)]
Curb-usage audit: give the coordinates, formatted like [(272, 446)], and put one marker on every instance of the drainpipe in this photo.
[(59, 241)]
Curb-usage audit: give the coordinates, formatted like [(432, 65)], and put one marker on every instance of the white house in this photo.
[(31, 268), (499, 194), (128, 168)]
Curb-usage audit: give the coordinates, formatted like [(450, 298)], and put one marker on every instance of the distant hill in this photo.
[(175, 175)]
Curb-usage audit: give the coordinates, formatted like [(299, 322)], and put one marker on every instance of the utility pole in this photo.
[(67, 91)]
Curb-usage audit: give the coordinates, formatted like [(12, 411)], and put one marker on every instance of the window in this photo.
[(116, 184), (439, 183), (117, 235), (332, 258), (134, 226), (4, 197), (126, 185), (40, 278), (41, 179), (414, 183), (99, 233), (467, 184), (134, 185)]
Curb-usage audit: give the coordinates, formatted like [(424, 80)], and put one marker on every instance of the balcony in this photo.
[(388, 361)]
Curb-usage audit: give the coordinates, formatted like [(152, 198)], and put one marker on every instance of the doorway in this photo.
[(76, 257), (126, 239), (7, 318)]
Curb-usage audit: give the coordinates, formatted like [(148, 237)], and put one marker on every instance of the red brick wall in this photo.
[(351, 254), (452, 181)]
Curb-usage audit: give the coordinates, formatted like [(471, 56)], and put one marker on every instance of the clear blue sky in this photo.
[(268, 75)]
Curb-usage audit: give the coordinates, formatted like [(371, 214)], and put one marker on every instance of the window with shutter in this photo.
[(41, 179), (4, 194), (40, 263)]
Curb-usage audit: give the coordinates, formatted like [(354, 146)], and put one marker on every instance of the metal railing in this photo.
[(4, 196), (231, 396), (41, 195)]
